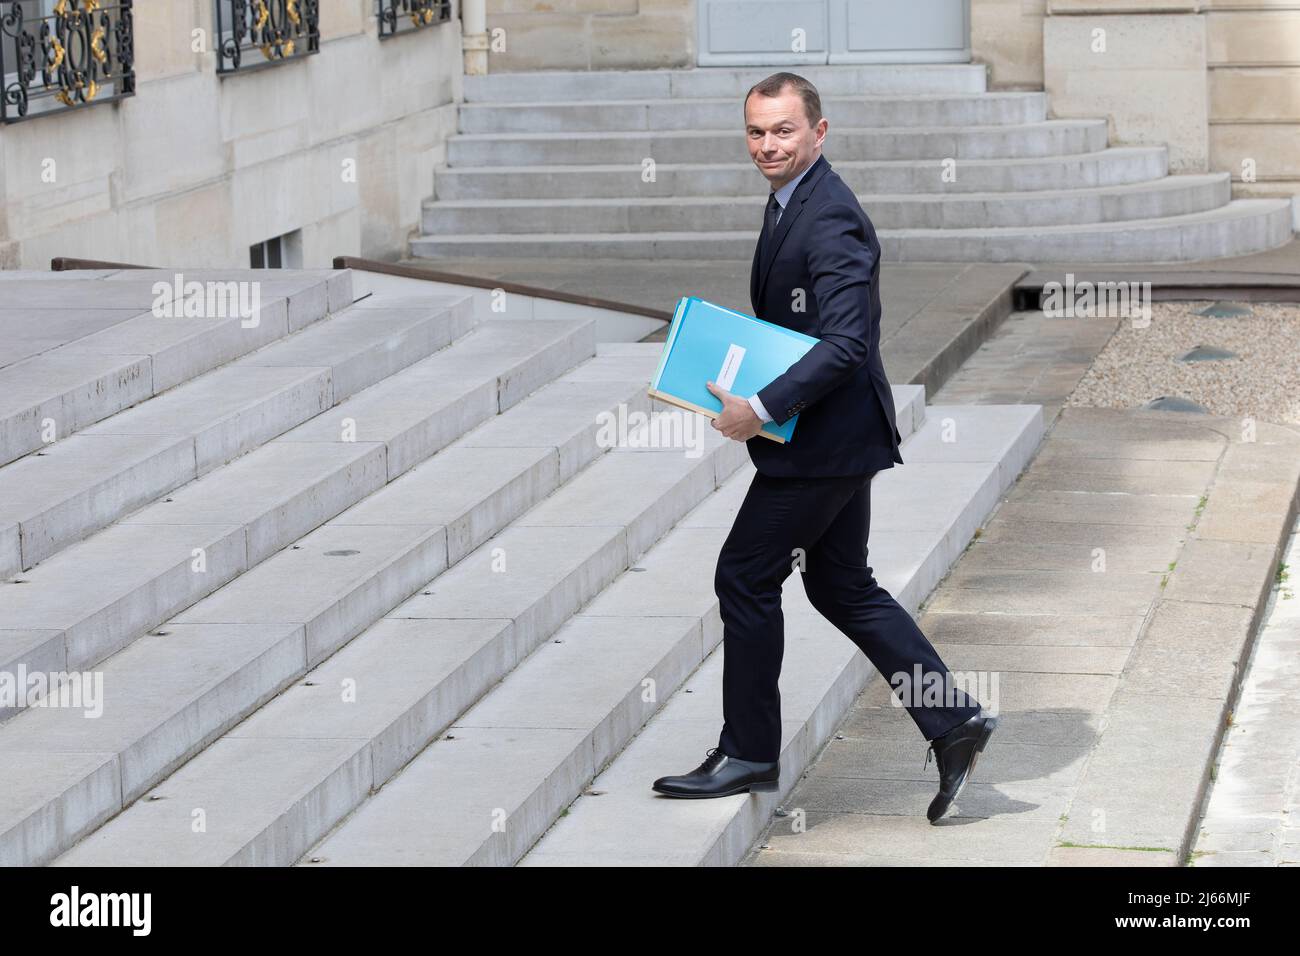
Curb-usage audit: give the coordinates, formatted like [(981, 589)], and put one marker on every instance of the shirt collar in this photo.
[(785, 192)]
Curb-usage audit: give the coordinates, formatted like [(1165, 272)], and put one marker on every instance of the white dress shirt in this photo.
[(782, 197)]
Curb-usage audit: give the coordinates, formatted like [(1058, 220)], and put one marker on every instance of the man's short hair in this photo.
[(777, 83)]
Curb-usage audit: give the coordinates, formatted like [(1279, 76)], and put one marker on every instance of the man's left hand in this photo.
[(737, 420)]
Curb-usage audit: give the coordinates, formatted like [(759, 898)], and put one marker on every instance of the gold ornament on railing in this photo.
[(69, 45), (97, 45), (422, 17), (285, 44), (87, 7), (263, 14), (92, 90)]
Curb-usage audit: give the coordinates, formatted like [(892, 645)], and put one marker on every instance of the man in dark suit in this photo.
[(816, 270)]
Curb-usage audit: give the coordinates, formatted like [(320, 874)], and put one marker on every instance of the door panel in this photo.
[(761, 32), (890, 31), (794, 32)]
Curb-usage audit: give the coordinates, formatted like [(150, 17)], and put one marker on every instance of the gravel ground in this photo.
[(1139, 364)]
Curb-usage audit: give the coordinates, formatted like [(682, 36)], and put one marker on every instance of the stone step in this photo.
[(315, 756), (55, 497), (1237, 228), (727, 113), (85, 349), (923, 513), (846, 80), (1112, 166), (1157, 198), (1048, 138), (651, 165), (312, 755), (47, 274), (529, 746), (1240, 227), (197, 676), (99, 595)]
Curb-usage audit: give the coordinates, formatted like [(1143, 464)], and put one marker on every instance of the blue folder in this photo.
[(742, 354)]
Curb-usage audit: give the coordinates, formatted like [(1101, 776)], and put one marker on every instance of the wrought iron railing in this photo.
[(403, 16), (64, 55), (258, 33)]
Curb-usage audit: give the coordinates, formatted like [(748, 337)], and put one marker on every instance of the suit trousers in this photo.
[(821, 523)]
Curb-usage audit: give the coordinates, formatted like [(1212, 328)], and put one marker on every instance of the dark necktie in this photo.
[(773, 214)]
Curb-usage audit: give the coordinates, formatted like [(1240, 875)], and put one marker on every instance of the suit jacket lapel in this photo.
[(766, 251)]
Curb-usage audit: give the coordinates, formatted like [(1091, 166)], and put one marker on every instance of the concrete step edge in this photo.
[(147, 603), (130, 379), (59, 522), (354, 841), (577, 839), (720, 456), (99, 788)]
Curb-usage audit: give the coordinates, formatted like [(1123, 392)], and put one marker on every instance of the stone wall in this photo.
[(1144, 72), (1219, 81), (1253, 54), (1007, 36), (195, 168), (592, 34)]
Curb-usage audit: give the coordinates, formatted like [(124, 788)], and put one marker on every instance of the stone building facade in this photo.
[(300, 157), (328, 151)]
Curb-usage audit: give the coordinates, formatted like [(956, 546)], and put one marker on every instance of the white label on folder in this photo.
[(730, 366)]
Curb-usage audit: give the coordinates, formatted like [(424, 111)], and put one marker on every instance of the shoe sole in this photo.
[(766, 785)]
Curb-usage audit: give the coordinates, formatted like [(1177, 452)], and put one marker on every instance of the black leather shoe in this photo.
[(721, 776), (955, 754)]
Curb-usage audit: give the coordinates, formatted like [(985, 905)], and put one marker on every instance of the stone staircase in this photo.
[(629, 688), (554, 164), (429, 601)]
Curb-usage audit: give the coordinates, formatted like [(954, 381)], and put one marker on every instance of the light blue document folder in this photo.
[(742, 354)]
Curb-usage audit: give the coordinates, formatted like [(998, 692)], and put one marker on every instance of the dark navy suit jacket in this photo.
[(826, 247)]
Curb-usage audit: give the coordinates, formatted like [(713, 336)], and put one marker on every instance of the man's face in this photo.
[(781, 143)]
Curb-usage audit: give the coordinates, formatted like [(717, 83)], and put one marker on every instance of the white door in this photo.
[(800, 32)]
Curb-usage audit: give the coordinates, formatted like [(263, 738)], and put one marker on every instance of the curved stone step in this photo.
[(658, 115), (1110, 166), (839, 80), (1237, 228), (1172, 195), (1241, 226), (1048, 138)]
